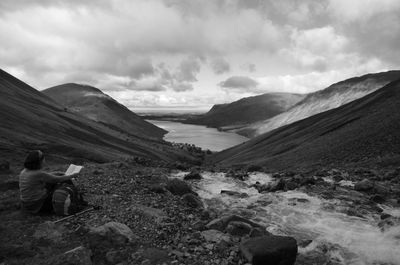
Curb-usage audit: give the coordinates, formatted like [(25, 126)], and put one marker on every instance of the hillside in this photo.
[(365, 131), (31, 120), (247, 110), (94, 104), (332, 97)]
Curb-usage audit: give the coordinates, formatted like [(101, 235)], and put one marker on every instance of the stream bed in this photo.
[(325, 234)]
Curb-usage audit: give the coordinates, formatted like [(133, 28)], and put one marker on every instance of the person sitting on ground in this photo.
[(36, 186)]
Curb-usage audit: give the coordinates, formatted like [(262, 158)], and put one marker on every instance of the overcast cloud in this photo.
[(149, 53)]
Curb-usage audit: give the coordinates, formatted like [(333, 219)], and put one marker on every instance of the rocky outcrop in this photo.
[(270, 250)]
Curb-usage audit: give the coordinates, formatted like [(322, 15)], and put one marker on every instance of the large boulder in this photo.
[(192, 200), (364, 185), (270, 250), (178, 187), (110, 235)]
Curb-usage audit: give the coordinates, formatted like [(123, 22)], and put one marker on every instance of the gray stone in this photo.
[(270, 250), (192, 200), (364, 185), (215, 236), (237, 228), (110, 235)]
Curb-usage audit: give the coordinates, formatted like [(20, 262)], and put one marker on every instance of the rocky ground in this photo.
[(145, 218)]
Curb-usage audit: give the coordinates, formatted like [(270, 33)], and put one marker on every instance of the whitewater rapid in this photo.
[(336, 238)]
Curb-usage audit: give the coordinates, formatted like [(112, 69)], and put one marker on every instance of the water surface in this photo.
[(201, 136)]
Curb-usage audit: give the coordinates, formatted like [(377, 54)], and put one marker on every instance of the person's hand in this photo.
[(58, 173)]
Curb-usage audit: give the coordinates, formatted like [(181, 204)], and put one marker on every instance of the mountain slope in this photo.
[(247, 110), (332, 97), (365, 131), (94, 104), (31, 120)]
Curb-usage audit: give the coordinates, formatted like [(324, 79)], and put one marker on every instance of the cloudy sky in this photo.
[(190, 54)]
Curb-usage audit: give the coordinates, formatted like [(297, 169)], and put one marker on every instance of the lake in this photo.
[(201, 136)]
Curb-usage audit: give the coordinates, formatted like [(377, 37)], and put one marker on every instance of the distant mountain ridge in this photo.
[(365, 132), (31, 120), (332, 97), (92, 103), (247, 110)]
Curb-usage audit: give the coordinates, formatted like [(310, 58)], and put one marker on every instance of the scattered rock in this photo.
[(178, 187), (192, 200), (388, 223), (237, 175), (237, 228), (270, 250), (110, 235), (377, 198), (193, 175), (385, 216), (364, 185), (235, 193), (222, 222)]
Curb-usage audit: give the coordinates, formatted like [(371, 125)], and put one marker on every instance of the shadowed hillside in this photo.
[(365, 131), (31, 120), (247, 110), (93, 104), (332, 97)]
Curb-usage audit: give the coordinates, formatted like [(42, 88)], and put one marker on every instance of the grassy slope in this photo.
[(247, 110), (332, 97), (31, 120), (365, 131), (92, 103)]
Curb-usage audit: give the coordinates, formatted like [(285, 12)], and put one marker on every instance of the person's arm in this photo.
[(51, 178)]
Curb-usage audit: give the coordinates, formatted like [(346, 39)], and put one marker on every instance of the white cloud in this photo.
[(184, 49)]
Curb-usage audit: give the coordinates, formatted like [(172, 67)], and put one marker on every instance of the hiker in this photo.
[(36, 186)]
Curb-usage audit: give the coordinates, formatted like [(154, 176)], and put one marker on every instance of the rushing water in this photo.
[(337, 238), (201, 136)]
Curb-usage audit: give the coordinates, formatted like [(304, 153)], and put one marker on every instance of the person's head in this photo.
[(34, 160)]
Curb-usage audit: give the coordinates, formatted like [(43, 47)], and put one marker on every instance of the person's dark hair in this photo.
[(34, 160)]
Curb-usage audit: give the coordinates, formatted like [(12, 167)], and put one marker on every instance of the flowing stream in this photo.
[(336, 238)]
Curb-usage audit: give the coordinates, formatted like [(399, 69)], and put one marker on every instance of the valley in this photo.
[(325, 185)]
